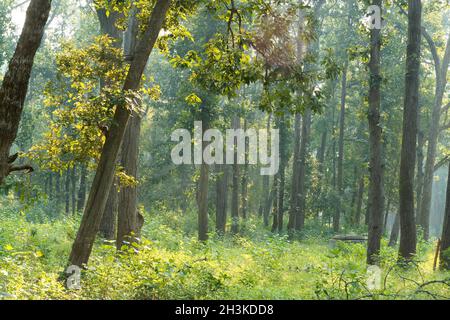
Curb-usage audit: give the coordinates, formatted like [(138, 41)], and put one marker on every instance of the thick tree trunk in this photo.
[(108, 225), (127, 225), (441, 82), (445, 239), (15, 83), (408, 238), (104, 176), (376, 192)]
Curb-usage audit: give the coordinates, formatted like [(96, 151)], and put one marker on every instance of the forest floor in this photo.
[(170, 263)]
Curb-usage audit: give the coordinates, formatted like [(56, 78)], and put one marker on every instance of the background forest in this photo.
[(92, 91)]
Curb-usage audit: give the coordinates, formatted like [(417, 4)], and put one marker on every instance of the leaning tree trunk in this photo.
[(445, 240), (376, 196), (408, 238), (15, 83), (108, 27), (441, 82), (104, 176)]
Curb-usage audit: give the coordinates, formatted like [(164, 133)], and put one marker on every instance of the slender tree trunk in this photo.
[(245, 177), (445, 239), (67, 191), (235, 190), (441, 82), (376, 192), (275, 199), (14, 86), (203, 194), (359, 201), (82, 188), (301, 214), (395, 231), (340, 162), (408, 236), (267, 201), (293, 211), (73, 191), (221, 198), (104, 176)]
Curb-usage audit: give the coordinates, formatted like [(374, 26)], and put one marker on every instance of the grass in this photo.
[(170, 263)]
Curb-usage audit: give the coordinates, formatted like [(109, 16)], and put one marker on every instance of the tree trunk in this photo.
[(441, 82), (301, 214), (340, 162), (266, 202), (293, 211), (376, 192), (284, 158), (221, 198), (235, 190), (73, 189), (67, 191), (359, 201), (245, 177), (445, 239), (82, 188), (408, 238), (395, 231), (104, 176), (203, 192), (108, 225), (15, 83)]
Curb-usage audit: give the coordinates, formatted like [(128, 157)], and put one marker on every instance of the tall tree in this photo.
[(376, 196), (15, 83), (441, 70), (408, 237), (104, 176)]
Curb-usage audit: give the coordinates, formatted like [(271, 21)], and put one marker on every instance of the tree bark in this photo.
[(82, 188), (245, 177), (15, 83), (104, 176), (108, 225), (395, 231), (293, 211), (376, 192), (408, 238)]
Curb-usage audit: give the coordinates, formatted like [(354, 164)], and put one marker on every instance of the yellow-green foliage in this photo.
[(171, 264)]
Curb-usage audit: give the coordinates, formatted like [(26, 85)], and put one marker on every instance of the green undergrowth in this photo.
[(169, 263)]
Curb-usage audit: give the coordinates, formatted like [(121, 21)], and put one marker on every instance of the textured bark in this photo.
[(108, 27), (376, 192), (235, 190), (108, 225), (445, 239), (441, 82), (104, 176), (408, 238), (127, 227), (15, 83)]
